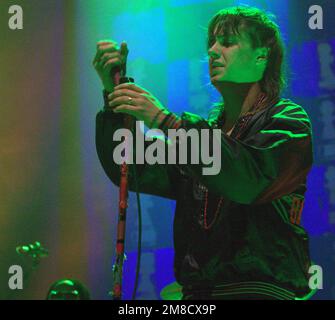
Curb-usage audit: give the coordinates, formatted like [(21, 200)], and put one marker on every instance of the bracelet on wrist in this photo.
[(155, 118), (171, 121)]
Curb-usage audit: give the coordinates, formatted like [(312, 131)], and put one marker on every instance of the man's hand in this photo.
[(108, 59), (134, 100)]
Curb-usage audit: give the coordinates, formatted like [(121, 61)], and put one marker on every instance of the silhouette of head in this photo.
[(68, 289)]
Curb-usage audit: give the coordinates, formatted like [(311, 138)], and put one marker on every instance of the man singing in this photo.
[(236, 233)]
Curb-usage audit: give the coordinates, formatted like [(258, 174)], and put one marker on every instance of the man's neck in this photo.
[(238, 99)]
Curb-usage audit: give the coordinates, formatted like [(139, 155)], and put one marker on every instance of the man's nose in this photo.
[(213, 54)]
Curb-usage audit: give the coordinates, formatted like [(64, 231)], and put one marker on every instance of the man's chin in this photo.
[(217, 79)]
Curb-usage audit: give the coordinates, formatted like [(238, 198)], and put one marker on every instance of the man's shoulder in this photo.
[(286, 110), (283, 109), (288, 107)]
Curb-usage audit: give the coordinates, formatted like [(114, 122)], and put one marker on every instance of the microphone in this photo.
[(34, 250), (118, 73)]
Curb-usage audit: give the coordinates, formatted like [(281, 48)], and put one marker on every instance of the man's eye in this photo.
[(221, 40), (226, 42), (211, 42)]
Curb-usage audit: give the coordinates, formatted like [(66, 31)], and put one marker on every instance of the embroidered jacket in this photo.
[(255, 245)]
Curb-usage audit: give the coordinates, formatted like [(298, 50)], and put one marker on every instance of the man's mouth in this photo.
[(216, 68), (217, 65)]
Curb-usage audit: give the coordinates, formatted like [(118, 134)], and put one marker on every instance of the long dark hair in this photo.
[(263, 32)]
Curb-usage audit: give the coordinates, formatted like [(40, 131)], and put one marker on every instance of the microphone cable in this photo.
[(139, 241)]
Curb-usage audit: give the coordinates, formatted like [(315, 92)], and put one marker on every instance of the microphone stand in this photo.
[(119, 78)]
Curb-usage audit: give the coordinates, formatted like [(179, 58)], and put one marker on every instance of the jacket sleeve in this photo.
[(272, 161), (156, 179)]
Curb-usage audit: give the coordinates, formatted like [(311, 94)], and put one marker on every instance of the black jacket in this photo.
[(256, 245)]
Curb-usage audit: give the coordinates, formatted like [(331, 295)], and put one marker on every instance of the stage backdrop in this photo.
[(52, 187)]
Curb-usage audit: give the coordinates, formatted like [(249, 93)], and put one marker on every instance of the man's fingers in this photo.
[(109, 55), (114, 62), (104, 49), (100, 52), (124, 93), (107, 48), (97, 58), (125, 108), (133, 87), (106, 42)]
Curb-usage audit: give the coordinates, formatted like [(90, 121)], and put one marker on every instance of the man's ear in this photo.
[(262, 55)]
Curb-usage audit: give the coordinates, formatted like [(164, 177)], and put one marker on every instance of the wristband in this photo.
[(155, 117)]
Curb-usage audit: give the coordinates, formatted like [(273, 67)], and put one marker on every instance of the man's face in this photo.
[(236, 59)]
